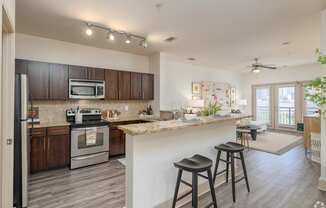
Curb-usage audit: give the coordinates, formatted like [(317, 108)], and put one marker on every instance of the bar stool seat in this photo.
[(196, 163), (230, 147)]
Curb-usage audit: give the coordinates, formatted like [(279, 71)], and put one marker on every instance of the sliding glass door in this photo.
[(276, 105), (286, 106)]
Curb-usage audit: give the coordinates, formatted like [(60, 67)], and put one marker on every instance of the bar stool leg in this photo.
[(216, 164), (227, 167), (194, 190), (244, 170), (233, 177), (211, 184), (248, 142), (177, 188)]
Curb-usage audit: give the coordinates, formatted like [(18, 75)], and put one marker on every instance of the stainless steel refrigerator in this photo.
[(21, 142)]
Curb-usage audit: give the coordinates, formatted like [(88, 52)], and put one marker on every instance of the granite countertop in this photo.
[(158, 126), (111, 120), (49, 124), (132, 118)]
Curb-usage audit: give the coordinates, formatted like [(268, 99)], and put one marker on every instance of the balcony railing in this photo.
[(262, 113), (286, 115)]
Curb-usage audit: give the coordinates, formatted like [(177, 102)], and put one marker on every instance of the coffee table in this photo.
[(251, 129)]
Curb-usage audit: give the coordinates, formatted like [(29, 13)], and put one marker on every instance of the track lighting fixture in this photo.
[(111, 34)]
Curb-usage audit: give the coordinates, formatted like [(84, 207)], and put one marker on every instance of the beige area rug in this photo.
[(275, 143)]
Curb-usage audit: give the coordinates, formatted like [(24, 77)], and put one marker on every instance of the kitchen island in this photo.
[(151, 149)]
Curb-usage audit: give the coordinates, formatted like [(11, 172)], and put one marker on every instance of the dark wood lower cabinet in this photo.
[(57, 147), (37, 150), (117, 142), (49, 148)]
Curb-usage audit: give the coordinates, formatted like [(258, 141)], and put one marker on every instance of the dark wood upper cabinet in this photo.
[(48, 81), (21, 66), (38, 75), (111, 84), (57, 147), (148, 86), (58, 82), (78, 72), (96, 74), (124, 85), (135, 84)]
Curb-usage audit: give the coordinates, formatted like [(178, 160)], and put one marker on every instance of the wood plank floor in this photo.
[(100, 186), (286, 181)]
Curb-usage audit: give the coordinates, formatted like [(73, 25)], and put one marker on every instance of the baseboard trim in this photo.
[(322, 184), (202, 190)]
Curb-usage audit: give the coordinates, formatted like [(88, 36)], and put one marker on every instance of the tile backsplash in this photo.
[(55, 111)]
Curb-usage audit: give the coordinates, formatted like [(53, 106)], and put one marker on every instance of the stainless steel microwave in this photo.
[(86, 89)]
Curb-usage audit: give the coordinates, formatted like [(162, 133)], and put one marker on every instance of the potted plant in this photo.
[(321, 58), (315, 91), (212, 109)]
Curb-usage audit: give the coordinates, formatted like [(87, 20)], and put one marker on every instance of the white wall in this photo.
[(296, 73), (176, 78), (49, 50), (7, 84), (154, 67)]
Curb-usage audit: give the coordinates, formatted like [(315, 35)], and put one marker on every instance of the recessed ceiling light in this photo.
[(158, 5), (170, 39), (191, 59)]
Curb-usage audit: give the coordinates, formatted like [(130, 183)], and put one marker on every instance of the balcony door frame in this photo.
[(299, 103)]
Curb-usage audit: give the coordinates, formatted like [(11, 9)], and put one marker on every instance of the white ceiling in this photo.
[(225, 34)]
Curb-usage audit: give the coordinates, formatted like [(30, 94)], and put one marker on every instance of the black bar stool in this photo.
[(195, 165), (231, 148)]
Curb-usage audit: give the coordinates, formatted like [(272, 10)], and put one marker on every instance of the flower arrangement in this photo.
[(213, 107)]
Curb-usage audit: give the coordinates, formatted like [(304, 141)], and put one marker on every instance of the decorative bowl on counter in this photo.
[(189, 116)]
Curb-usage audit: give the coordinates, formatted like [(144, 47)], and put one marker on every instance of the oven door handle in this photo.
[(89, 156)]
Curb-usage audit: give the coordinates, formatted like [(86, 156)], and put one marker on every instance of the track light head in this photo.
[(128, 41), (89, 30), (111, 36), (144, 43)]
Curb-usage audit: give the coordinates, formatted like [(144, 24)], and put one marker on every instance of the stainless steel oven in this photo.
[(89, 145), (86, 89)]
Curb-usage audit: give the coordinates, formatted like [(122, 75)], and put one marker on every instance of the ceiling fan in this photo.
[(256, 67)]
